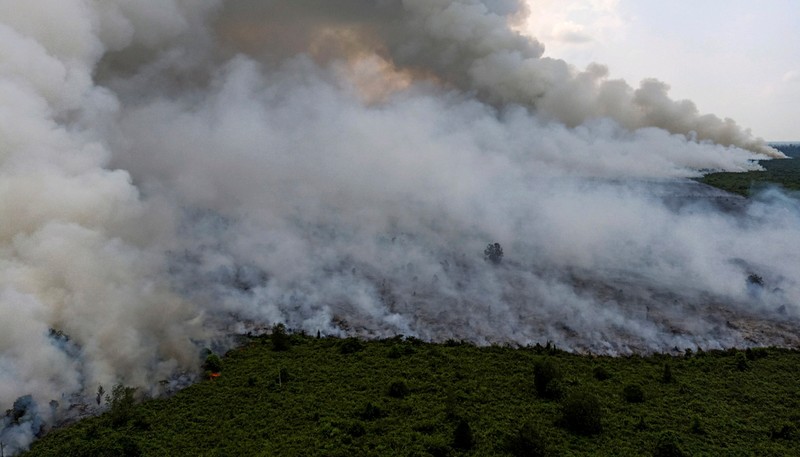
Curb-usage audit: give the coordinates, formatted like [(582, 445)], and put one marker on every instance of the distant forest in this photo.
[(784, 173), (790, 149)]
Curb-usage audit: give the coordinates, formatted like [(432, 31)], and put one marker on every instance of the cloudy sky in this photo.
[(734, 58)]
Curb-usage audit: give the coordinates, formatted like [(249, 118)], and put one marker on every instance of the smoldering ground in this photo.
[(173, 171)]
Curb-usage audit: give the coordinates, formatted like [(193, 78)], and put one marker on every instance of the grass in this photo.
[(332, 400)]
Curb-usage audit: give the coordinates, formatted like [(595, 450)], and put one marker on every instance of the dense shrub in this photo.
[(555, 390), (633, 393), (600, 373), (696, 427), (546, 379), (351, 346), (356, 429), (319, 410), (755, 353), (399, 350), (528, 442), (462, 436), (668, 446), (371, 412), (279, 338), (121, 402), (437, 447), (784, 432), (582, 413), (741, 362), (283, 376), (398, 389), (666, 375), (213, 363)]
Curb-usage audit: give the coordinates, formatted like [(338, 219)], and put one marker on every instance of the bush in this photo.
[(545, 373), (668, 446), (356, 430), (398, 389), (696, 427), (582, 413), (755, 353), (437, 446), (633, 393), (279, 338), (462, 436), (785, 432), (399, 350), (666, 376), (371, 412), (600, 373), (213, 363), (741, 362), (283, 376), (528, 442), (351, 346), (555, 390), (121, 402)]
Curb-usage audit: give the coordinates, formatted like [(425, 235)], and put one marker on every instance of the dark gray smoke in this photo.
[(174, 171)]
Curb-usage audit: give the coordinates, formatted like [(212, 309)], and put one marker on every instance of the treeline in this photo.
[(783, 173), (293, 394), (790, 149)]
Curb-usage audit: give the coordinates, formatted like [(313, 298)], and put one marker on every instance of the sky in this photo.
[(734, 58)]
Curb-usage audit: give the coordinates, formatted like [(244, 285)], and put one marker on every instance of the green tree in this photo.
[(398, 389), (547, 379), (633, 393), (351, 346), (279, 338), (668, 445), (121, 402), (528, 442), (213, 363), (666, 375), (462, 436), (582, 413)]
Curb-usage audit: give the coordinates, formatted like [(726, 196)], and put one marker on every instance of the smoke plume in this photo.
[(174, 171)]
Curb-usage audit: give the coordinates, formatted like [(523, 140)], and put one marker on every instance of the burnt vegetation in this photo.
[(400, 396)]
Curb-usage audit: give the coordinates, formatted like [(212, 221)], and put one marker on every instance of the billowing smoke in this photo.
[(173, 171)]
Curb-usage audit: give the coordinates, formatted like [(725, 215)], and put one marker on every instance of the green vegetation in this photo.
[(279, 338), (785, 173), (403, 397), (633, 393)]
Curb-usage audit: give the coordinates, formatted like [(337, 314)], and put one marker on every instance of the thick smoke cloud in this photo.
[(174, 171), (469, 45)]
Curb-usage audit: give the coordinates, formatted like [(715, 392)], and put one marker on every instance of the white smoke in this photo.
[(170, 170)]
